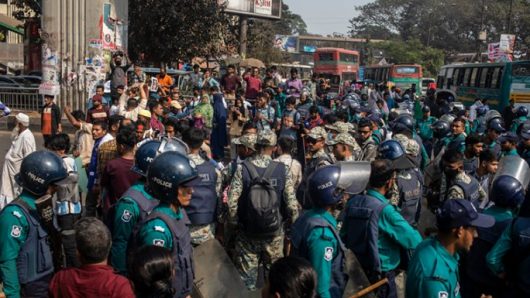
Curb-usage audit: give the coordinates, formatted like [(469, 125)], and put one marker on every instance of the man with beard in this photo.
[(367, 143), (317, 159), (456, 184), (22, 144), (118, 75)]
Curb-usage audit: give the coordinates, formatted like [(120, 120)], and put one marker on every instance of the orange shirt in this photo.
[(47, 121), (165, 82)]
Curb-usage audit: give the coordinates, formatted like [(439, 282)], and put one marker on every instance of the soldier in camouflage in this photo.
[(456, 184), (245, 147), (318, 157), (252, 251), (345, 148), (367, 143), (194, 138)]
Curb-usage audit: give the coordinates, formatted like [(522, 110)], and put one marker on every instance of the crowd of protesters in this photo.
[(283, 173)]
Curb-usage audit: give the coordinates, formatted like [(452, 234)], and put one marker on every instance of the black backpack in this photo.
[(261, 214)]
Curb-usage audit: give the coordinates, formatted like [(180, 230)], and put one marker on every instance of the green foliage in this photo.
[(169, 30), (261, 35), (412, 51), (452, 25)]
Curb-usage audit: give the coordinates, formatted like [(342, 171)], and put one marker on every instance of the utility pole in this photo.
[(243, 29), (509, 19)]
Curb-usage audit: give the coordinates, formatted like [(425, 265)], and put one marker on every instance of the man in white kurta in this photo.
[(22, 144)]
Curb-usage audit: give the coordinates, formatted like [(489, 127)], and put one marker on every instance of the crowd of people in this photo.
[(284, 174)]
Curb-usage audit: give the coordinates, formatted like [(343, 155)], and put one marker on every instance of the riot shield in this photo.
[(215, 274), (492, 114), (515, 167), (354, 176), (357, 280)]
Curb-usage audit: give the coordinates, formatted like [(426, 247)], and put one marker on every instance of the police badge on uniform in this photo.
[(443, 294), (158, 242), (126, 216), (328, 253), (16, 231)]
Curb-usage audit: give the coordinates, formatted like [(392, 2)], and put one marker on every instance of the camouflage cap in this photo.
[(248, 140), (411, 146), (267, 138), (340, 127), (343, 138), (318, 133)]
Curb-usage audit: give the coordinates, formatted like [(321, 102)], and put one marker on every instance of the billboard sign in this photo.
[(285, 43), (256, 8)]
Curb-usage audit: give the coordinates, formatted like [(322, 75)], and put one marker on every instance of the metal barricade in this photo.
[(21, 98)]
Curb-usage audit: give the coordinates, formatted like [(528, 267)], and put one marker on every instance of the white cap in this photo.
[(23, 119)]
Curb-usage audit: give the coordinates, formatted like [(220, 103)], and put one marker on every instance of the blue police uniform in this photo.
[(26, 264), (315, 238)]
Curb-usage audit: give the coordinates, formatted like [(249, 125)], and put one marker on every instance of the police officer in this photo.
[(376, 237), (314, 235), (522, 116), (257, 244), (26, 264), (508, 194), (133, 207), (508, 141), (479, 123), (168, 180), (345, 148), (424, 128), (365, 140), (318, 158), (524, 144), (474, 146), (495, 127), (456, 184), (404, 132), (245, 147), (205, 203), (509, 258), (441, 132), (407, 192), (433, 270)]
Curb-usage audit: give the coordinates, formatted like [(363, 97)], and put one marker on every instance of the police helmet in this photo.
[(496, 124), (441, 129), (426, 109), (391, 149), (151, 148), (166, 173), (449, 118), (144, 156), (521, 111), (328, 184), (507, 192), (39, 170), (404, 122)]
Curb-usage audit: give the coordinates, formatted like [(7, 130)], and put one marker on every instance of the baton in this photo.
[(370, 288)]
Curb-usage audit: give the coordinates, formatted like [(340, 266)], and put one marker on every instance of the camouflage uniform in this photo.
[(348, 140), (248, 141), (202, 233), (250, 253), (369, 150), (455, 191), (411, 147), (341, 127)]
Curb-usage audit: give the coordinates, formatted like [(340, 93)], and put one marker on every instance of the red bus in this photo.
[(338, 65)]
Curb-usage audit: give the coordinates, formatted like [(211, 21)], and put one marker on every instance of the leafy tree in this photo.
[(452, 25), (169, 30), (412, 51), (26, 9)]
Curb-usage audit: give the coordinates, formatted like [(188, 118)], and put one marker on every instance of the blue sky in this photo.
[(325, 16)]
